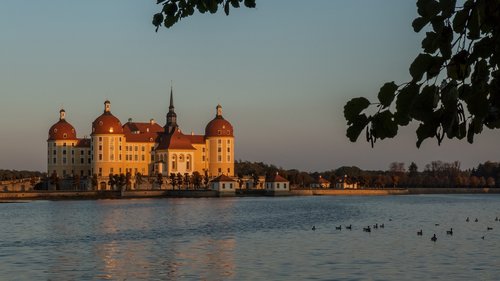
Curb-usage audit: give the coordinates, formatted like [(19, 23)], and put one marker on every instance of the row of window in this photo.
[(64, 161)]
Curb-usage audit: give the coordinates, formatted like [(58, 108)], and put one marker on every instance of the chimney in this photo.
[(152, 121)]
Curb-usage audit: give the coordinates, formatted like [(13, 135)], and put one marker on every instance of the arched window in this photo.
[(181, 158), (174, 162), (188, 162)]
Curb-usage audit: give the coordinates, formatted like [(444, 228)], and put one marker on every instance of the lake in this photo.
[(254, 238)]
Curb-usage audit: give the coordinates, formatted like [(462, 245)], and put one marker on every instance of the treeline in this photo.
[(434, 174), (6, 175)]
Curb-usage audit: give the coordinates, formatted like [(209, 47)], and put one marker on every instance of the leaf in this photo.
[(226, 8), (460, 20), (404, 102), (387, 93), (249, 3), (426, 130), (419, 66), (459, 68), (356, 127), (427, 8), (235, 3), (447, 7), (430, 44), (419, 23), (445, 40), (434, 67), (157, 20), (424, 103), (354, 107), (383, 125)]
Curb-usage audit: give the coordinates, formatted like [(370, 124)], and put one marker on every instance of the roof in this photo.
[(196, 139), (175, 140), (83, 143), (219, 127), (107, 123), (62, 130), (277, 178), (142, 131), (222, 178), (322, 180)]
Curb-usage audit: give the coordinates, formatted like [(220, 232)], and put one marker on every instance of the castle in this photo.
[(144, 148)]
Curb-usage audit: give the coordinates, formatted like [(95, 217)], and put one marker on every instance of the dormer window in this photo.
[(55, 130), (111, 129), (65, 135), (219, 132), (100, 123)]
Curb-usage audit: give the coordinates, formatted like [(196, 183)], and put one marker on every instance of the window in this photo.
[(136, 158), (65, 135), (152, 158), (219, 141), (112, 157), (220, 170), (120, 157), (143, 148), (229, 170), (143, 157), (64, 144), (64, 152), (228, 158), (203, 149), (72, 160), (230, 186), (89, 160), (136, 148), (72, 152), (82, 160), (278, 185), (219, 149), (120, 147), (89, 152), (100, 147), (81, 152), (64, 160), (228, 150), (55, 160), (203, 158), (284, 185), (223, 185), (219, 132), (120, 170), (55, 152), (111, 170), (126, 148), (100, 171), (219, 158), (100, 156), (100, 138)]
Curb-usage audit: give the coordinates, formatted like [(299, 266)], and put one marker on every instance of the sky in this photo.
[(282, 73)]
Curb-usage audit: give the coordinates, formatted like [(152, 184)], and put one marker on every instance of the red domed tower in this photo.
[(107, 142), (60, 145), (220, 143)]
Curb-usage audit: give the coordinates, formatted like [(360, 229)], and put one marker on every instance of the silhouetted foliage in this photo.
[(175, 10), (461, 47)]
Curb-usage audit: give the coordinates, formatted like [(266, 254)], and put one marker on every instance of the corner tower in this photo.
[(220, 143)]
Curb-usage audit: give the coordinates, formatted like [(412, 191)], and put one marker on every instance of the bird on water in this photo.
[(476, 220), (348, 227), (434, 238), (420, 233), (338, 227), (313, 228), (467, 220), (489, 228), (449, 232)]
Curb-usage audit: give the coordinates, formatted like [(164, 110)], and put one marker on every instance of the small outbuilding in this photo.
[(224, 185), (321, 183), (277, 184)]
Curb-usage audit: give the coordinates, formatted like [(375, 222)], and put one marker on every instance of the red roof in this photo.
[(83, 143), (107, 123), (277, 178), (198, 139), (176, 140), (219, 127), (142, 131), (62, 130), (223, 178)]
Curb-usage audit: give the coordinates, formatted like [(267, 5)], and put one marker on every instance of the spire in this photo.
[(171, 115), (171, 107)]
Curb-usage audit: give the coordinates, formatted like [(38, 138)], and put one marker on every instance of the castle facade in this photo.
[(144, 148)]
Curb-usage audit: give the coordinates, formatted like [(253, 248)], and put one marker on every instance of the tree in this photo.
[(197, 179), (159, 179), (138, 180), (461, 47), (173, 180), (175, 10), (412, 169)]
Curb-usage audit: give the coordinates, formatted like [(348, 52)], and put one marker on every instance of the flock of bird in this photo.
[(419, 233)]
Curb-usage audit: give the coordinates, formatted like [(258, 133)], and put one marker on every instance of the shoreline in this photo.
[(16, 197)]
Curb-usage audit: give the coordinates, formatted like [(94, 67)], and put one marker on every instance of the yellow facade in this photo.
[(145, 148)]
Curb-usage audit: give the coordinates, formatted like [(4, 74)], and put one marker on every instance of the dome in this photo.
[(219, 126), (107, 123), (62, 130)]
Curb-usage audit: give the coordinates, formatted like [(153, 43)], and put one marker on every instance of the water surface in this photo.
[(252, 238)]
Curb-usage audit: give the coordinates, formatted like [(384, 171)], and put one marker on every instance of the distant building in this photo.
[(321, 183), (139, 147), (346, 183), (277, 183), (223, 184)]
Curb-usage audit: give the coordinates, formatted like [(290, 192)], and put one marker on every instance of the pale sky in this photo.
[(282, 73)]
